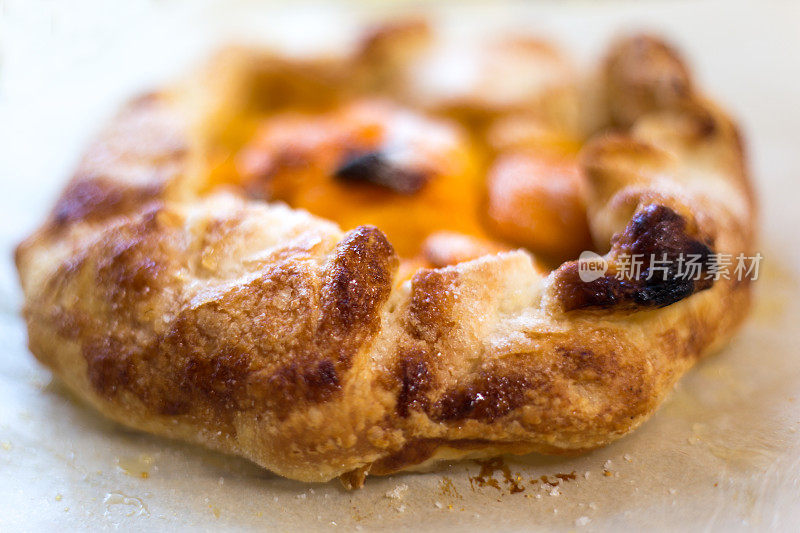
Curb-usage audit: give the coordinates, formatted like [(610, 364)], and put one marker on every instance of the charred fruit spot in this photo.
[(376, 168), (659, 232), (656, 233)]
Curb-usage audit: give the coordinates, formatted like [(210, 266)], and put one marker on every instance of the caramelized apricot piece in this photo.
[(537, 201), (369, 163)]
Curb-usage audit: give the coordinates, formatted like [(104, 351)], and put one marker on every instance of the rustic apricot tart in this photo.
[(361, 264)]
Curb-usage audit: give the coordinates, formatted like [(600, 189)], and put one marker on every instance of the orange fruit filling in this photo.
[(439, 193)]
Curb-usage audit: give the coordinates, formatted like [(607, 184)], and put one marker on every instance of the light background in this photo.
[(722, 454)]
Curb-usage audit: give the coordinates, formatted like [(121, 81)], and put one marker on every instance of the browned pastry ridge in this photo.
[(263, 331)]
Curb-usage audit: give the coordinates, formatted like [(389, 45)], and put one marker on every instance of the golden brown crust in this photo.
[(266, 332)]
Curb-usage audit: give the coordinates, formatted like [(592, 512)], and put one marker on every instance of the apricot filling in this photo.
[(440, 192)]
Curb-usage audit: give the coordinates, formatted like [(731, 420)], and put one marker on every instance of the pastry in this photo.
[(315, 263)]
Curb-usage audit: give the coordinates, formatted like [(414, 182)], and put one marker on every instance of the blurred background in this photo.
[(66, 66)]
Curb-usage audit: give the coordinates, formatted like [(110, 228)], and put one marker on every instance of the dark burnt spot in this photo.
[(657, 229), (659, 232), (610, 292), (487, 398), (604, 292), (658, 238), (376, 168), (415, 381)]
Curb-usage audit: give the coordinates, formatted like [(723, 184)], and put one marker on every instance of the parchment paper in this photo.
[(723, 453)]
